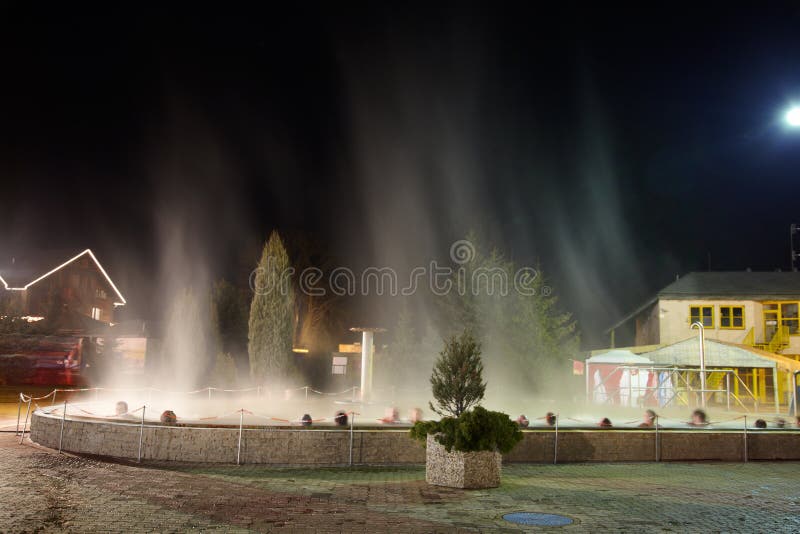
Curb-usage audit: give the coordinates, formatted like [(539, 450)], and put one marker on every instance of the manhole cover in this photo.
[(539, 520)]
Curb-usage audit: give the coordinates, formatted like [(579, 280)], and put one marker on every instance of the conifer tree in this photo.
[(271, 324), (457, 380)]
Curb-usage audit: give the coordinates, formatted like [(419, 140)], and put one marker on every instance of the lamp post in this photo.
[(367, 352), (702, 339), (792, 120)]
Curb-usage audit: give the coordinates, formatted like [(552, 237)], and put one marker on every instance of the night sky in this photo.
[(619, 147)]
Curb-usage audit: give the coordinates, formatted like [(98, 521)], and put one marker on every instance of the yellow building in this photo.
[(757, 311)]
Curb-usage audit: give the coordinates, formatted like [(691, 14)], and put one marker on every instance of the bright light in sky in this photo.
[(793, 117)]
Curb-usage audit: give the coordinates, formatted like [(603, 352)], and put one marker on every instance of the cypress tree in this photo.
[(271, 324)]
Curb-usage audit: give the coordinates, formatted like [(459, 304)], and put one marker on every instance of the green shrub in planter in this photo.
[(476, 430)]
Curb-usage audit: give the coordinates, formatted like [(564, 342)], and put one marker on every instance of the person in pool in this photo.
[(121, 408), (341, 418), (649, 420), (522, 421), (699, 418), (390, 416), (605, 422), (550, 419)]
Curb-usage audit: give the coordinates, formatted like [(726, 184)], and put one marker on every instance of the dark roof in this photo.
[(634, 313), (735, 285), (746, 285), (19, 269)]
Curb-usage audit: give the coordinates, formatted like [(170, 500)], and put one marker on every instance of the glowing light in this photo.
[(300, 351), (792, 117), (121, 302)]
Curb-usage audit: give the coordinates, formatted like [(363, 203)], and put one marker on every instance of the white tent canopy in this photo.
[(619, 357)]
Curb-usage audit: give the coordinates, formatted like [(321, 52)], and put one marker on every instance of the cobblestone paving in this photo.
[(42, 491)]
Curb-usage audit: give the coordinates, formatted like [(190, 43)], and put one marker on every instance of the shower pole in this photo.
[(702, 339)]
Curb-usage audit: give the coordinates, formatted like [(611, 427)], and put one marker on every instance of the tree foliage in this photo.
[(231, 317), (476, 430), (320, 314), (271, 326), (525, 333), (457, 379), (12, 321)]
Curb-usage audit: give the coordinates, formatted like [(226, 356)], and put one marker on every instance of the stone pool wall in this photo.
[(328, 446)]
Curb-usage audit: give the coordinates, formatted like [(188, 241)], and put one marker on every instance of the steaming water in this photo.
[(263, 410)]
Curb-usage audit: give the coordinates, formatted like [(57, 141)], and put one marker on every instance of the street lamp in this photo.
[(702, 336), (792, 117)]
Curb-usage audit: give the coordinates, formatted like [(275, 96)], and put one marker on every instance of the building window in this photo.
[(731, 317), (100, 293), (789, 317), (339, 365), (702, 314), (96, 313)]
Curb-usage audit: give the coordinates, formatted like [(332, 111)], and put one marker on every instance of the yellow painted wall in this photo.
[(675, 326), (674, 323)]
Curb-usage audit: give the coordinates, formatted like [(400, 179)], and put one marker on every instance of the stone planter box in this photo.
[(468, 470)]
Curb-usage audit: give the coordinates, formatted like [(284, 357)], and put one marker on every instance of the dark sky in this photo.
[(618, 147)]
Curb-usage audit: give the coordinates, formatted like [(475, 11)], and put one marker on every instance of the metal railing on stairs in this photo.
[(778, 342)]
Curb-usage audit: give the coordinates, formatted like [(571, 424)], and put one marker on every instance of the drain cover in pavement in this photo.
[(539, 520)]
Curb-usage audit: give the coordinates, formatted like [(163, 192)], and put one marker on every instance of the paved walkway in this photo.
[(43, 491)]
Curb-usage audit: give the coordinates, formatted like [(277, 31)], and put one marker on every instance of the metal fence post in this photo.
[(352, 422), (209, 393), (239, 447), (63, 419), (745, 439), (728, 389), (657, 443), (19, 413), (55, 392), (555, 441), (141, 433), (25, 425)]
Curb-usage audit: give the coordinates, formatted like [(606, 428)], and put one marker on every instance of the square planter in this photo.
[(468, 470)]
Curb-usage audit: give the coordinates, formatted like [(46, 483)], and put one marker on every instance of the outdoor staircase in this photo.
[(775, 345)]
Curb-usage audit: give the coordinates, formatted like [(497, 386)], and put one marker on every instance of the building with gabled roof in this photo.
[(751, 323), (759, 309), (33, 284)]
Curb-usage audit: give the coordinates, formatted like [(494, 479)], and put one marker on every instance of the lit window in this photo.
[(96, 314), (702, 314), (789, 317), (339, 365), (100, 293), (731, 317)]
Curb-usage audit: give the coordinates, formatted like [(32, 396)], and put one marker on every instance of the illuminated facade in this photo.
[(747, 308), (33, 285), (747, 317)]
